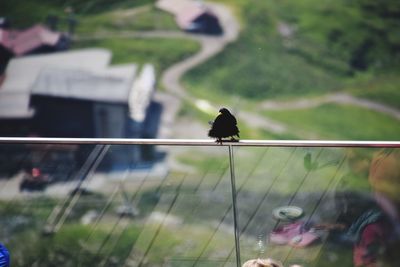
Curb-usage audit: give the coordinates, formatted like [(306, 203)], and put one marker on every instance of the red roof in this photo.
[(22, 42), (185, 11)]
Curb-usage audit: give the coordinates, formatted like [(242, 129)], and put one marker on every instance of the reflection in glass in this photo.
[(322, 206)]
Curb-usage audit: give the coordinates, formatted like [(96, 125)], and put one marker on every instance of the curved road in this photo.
[(210, 46), (340, 98)]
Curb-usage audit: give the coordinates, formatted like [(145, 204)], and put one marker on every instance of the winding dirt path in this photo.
[(339, 98), (210, 46)]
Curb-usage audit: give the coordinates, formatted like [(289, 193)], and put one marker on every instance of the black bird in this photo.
[(224, 125)]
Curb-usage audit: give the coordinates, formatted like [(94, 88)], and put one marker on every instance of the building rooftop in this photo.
[(81, 74), (108, 85), (22, 42), (185, 11), (22, 72), (177, 7)]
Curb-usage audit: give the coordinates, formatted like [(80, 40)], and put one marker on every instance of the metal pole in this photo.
[(235, 213)]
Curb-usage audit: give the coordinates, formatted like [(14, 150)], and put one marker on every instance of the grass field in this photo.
[(383, 88), (263, 64), (317, 57), (24, 13), (160, 52), (340, 122), (147, 19), (321, 55)]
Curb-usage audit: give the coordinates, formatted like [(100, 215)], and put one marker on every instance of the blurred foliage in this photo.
[(333, 122), (24, 13), (322, 45), (383, 88), (113, 21), (68, 248), (189, 110), (22, 223), (365, 33), (158, 51)]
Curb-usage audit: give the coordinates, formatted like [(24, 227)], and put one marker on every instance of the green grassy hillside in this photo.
[(332, 121), (293, 48), (160, 52), (24, 13), (286, 49), (383, 88)]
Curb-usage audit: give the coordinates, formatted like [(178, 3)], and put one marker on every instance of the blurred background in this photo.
[(288, 69), (305, 69)]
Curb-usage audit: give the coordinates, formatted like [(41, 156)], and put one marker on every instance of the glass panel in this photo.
[(100, 205), (319, 206)]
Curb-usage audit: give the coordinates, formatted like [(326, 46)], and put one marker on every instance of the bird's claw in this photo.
[(220, 141)]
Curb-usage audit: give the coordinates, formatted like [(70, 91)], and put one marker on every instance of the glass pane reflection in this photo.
[(319, 206), (99, 205), (83, 206)]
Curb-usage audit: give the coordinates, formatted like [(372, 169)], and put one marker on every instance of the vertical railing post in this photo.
[(234, 205)]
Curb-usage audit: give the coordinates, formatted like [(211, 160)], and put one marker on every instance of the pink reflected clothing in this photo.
[(371, 244)]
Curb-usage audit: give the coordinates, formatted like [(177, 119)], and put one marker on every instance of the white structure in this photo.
[(82, 74), (193, 16), (112, 84), (22, 73), (142, 92)]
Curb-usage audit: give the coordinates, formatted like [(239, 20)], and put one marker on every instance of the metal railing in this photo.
[(200, 142)]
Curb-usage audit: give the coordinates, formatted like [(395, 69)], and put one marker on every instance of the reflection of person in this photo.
[(384, 178), (352, 206), (372, 227), (265, 263), (370, 233), (4, 256), (262, 263)]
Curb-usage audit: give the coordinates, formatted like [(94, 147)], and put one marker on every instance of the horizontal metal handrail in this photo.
[(199, 142)]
